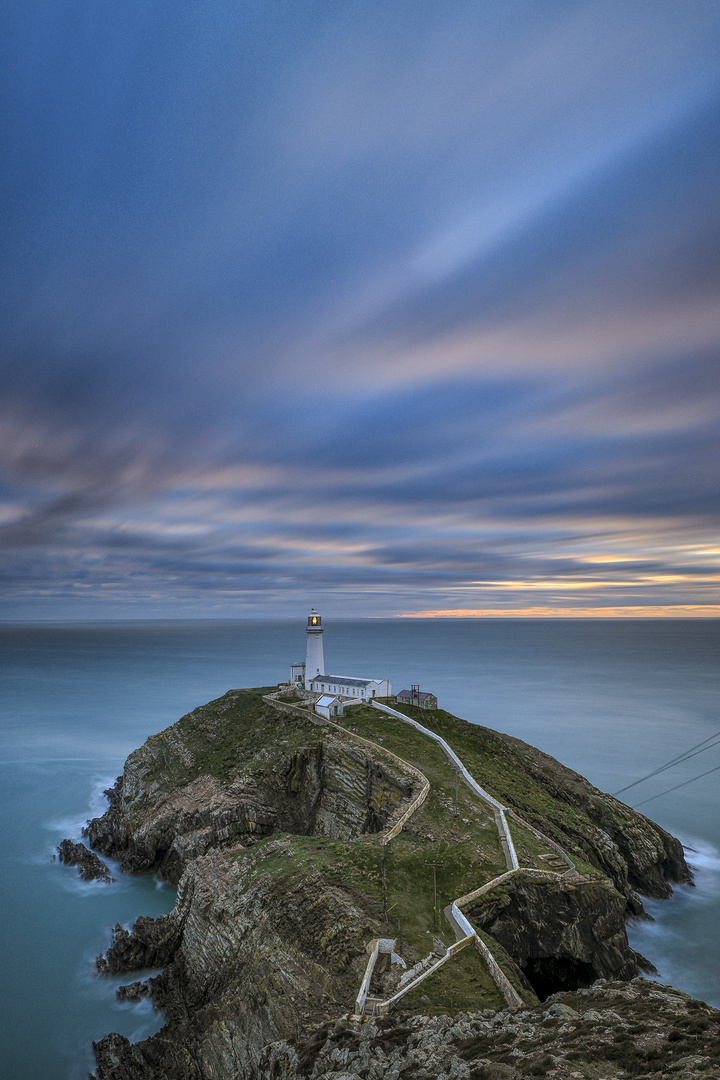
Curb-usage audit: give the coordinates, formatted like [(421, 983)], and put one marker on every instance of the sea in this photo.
[(614, 700)]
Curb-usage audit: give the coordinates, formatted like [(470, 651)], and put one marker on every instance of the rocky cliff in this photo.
[(268, 823)]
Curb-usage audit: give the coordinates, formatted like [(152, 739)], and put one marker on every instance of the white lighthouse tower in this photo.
[(314, 662)]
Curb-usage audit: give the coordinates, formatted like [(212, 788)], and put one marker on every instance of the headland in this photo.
[(300, 846)]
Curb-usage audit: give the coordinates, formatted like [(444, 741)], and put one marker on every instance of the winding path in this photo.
[(463, 929)]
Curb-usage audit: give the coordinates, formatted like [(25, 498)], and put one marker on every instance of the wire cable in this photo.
[(685, 756), (690, 781)]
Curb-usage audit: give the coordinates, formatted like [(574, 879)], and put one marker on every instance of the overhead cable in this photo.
[(698, 748), (690, 781)]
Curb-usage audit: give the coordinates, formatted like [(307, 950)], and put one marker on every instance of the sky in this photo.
[(391, 309)]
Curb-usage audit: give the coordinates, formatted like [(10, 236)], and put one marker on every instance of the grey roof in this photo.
[(409, 693), (344, 680)]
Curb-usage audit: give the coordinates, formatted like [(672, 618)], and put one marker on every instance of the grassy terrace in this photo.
[(505, 772)]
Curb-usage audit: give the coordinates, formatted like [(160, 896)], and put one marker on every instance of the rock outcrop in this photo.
[(196, 788), (638, 1029), (90, 867), (560, 933)]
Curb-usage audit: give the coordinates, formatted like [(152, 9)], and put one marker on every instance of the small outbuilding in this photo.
[(415, 696), (329, 706)]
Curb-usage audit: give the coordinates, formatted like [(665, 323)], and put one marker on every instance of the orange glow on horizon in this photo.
[(678, 611)]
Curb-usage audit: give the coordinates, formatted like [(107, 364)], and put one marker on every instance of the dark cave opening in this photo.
[(550, 974)]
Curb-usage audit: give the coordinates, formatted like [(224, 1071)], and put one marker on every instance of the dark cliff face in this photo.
[(267, 822), (562, 934)]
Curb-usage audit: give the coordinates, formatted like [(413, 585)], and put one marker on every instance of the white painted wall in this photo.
[(314, 661)]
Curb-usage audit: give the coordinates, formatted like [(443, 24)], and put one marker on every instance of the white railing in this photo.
[(510, 853)]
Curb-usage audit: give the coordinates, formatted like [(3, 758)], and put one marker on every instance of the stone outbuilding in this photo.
[(415, 696)]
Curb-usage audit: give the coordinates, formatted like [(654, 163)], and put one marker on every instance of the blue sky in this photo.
[(388, 308)]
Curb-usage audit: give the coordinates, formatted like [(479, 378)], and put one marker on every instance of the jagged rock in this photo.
[(132, 991), (150, 943), (657, 1030), (90, 867)]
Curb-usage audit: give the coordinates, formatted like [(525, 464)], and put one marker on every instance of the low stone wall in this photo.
[(293, 710), (383, 1007), (499, 810)]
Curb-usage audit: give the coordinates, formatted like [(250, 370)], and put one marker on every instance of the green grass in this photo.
[(231, 736), (462, 984)]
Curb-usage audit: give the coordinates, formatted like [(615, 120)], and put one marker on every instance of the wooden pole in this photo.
[(434, 897), (384, 881)]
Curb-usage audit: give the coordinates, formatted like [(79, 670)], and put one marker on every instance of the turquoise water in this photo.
[(611, 699)]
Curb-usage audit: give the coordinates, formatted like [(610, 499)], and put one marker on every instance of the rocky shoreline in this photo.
[(268, 824)]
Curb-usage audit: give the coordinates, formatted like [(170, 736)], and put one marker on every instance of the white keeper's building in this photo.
[(336, 691)]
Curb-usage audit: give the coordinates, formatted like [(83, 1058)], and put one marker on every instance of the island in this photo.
[(348, 906)]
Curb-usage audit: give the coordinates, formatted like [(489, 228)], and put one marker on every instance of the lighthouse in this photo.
[(314, 662)]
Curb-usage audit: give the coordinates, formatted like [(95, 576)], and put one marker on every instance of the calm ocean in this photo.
[(613, 700)]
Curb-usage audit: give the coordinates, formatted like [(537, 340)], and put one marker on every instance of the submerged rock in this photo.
[(133, 991)]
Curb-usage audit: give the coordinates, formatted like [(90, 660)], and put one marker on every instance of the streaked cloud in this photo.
[(396, 309)]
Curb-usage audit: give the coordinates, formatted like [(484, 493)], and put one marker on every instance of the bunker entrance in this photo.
[(550, 974)]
